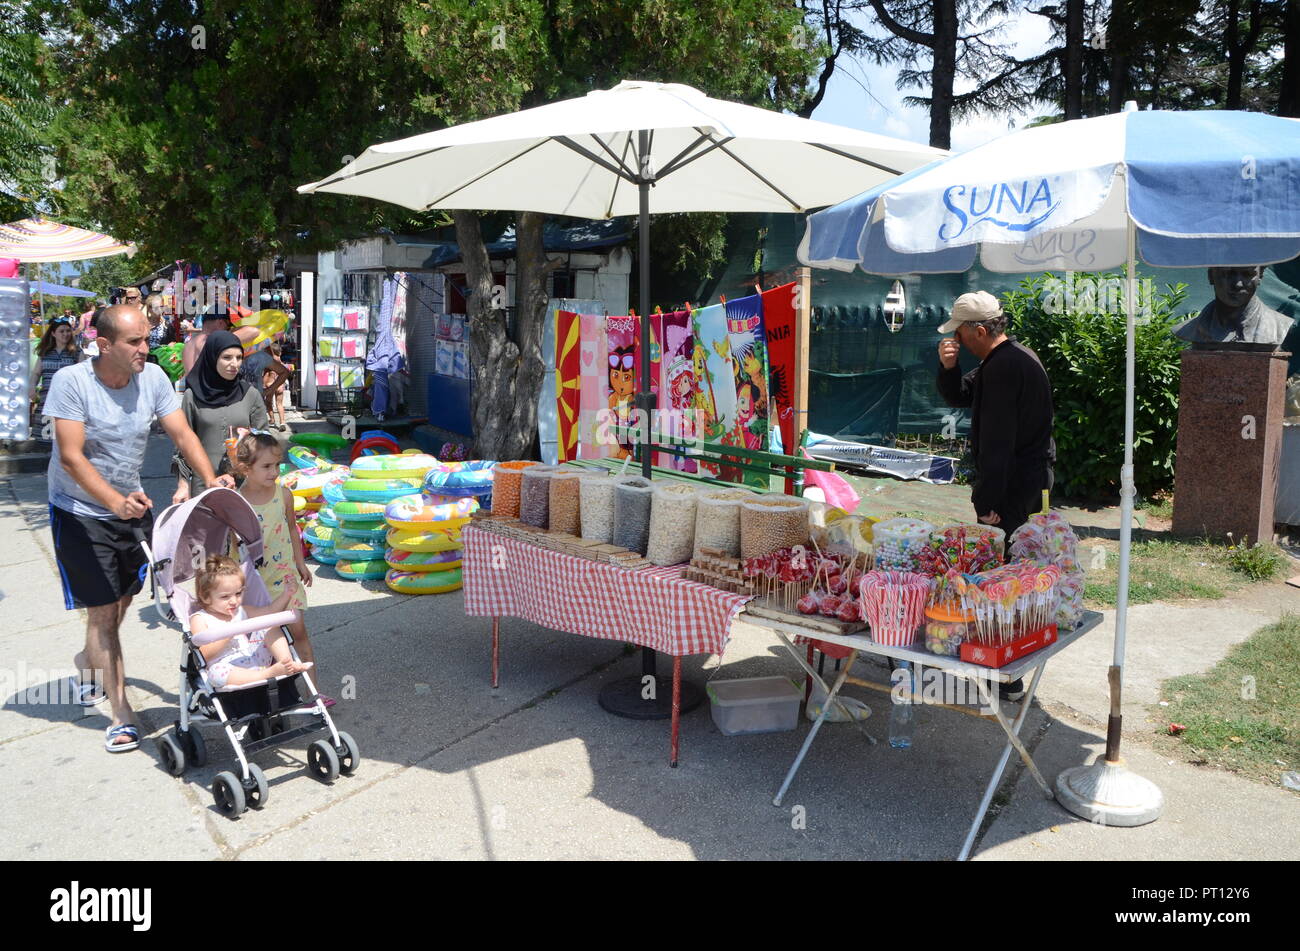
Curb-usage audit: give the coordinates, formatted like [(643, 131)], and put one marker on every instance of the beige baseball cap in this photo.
[(972, 308)]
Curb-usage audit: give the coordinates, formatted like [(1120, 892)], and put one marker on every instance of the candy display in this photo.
[(1010, 601), (506, 489), (596, 506), (965, 548), (898, 543), (772, 522), (810, 582), (946, 630), (1048, 539), (717, 520), (672, 524), (893, 603), (535, 496), (632, 498), (565, 501)]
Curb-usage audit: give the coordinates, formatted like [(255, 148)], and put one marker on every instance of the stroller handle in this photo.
[(222, 631)]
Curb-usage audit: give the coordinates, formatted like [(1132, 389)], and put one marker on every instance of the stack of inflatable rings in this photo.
[(399, 466), (424, 542), (361, 570)]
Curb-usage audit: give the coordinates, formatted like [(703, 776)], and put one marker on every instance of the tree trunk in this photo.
[(531, 269), (1074, 59), (1288, 103), (943, 73), (1236, 56), (1118, 43)]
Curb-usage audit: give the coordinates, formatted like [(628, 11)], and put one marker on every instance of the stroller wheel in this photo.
[(228, 794), (191, 741), (323, 761), (351, 756), (260, 791), (173, 755)]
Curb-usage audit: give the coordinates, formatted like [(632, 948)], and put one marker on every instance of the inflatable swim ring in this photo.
[(393, 466), (423, 560), (425, 540), (299, 503), (256, 331), (321, 535), (361, 570), (352, 549), (303, 458), (364, 533), (325, 556), (423, 582), (359, 513), (307, 483), (416, 511), (382, 491), (372, 445), (327, 517), (461, 478), (321, 442)]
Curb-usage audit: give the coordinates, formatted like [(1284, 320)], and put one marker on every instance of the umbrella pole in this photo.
[(634, 697), (1106, 792)]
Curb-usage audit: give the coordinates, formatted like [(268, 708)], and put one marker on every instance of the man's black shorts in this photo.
[(99, 558)]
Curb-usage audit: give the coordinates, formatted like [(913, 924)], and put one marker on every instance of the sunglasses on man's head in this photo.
[(628, 360)]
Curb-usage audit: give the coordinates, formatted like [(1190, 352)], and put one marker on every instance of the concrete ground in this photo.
[(536, 769)]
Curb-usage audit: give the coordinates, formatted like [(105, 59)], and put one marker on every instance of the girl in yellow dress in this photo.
[(258, 457)]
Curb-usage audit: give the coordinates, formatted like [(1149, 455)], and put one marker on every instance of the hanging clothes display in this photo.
[(716, 397), (750, 380), (592, 395), (568, 382), (678, 387), (778, 320)]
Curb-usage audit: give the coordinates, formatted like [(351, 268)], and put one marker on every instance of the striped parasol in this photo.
[(35, 240)]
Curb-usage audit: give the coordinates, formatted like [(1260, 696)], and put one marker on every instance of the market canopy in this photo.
[(1202, 189), (39, 240), (582, 157), (58, 290)]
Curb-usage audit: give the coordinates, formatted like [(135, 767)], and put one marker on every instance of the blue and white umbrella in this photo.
[(1177, 189)]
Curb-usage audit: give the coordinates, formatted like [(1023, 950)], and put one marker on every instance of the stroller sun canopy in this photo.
[(186, 534)]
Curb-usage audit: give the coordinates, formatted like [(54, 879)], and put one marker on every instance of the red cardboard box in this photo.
[(999, 655)]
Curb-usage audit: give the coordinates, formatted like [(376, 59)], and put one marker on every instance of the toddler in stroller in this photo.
[(238, 665)]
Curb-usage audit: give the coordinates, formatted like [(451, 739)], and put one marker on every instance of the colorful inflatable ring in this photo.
[(299, 503), (327, 517), (307, 483), (332, 491), (423, 560), (256, 331), (394, 466), (363, 533), (303, 458), (370, 445), (461, 478), (313, 504), (325, 556), (423, 582), (320, 535), (359, 512), (378, 490), (425, 541), (361, 570), (417, 511), (321, 442), (352, 549)]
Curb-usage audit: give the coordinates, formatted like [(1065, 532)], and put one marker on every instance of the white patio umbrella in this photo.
[(1182, 189), (640, 148)]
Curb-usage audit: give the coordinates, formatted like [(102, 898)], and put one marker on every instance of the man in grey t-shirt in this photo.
[(102, 410)]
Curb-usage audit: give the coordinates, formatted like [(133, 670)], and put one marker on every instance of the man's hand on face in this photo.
[(948, 350)]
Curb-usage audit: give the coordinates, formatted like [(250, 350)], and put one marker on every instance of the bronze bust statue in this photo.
[(1235, 315)]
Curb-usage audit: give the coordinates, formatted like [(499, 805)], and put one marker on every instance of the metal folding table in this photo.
[(983, 679)]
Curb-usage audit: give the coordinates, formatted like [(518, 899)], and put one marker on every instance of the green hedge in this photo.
[(1076, 326)]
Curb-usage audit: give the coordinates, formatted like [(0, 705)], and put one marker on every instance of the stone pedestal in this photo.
[(1225, 480)]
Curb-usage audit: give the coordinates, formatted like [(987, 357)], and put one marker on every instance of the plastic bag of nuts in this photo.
[(507, 478), (769, 523), (632, 497), (565, 500), (535, 496), (717, 520), (596, 505), (672, 524)]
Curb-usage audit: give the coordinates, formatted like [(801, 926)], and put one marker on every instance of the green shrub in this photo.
[(1258, 562), (1078, 333)]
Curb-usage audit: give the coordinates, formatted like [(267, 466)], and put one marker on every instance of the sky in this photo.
[(880, 107)]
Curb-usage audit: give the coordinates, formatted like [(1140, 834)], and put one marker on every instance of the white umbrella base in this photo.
[(1107, 793)]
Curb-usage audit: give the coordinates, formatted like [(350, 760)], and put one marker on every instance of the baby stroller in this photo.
[(255, 716)]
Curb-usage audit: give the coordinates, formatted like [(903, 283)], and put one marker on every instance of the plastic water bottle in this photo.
[(902, 716)]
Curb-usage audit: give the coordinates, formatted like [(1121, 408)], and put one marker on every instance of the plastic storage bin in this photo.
[(755, 705)]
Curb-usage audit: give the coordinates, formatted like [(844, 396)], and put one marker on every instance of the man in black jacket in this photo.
[(1010, 399)]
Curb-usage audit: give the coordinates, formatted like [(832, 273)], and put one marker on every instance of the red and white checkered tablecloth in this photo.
[(652, 607)]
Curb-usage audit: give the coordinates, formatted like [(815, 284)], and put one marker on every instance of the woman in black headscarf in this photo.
[(218, 402)]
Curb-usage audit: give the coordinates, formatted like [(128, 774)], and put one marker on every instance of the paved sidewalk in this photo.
[(452, 769)]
